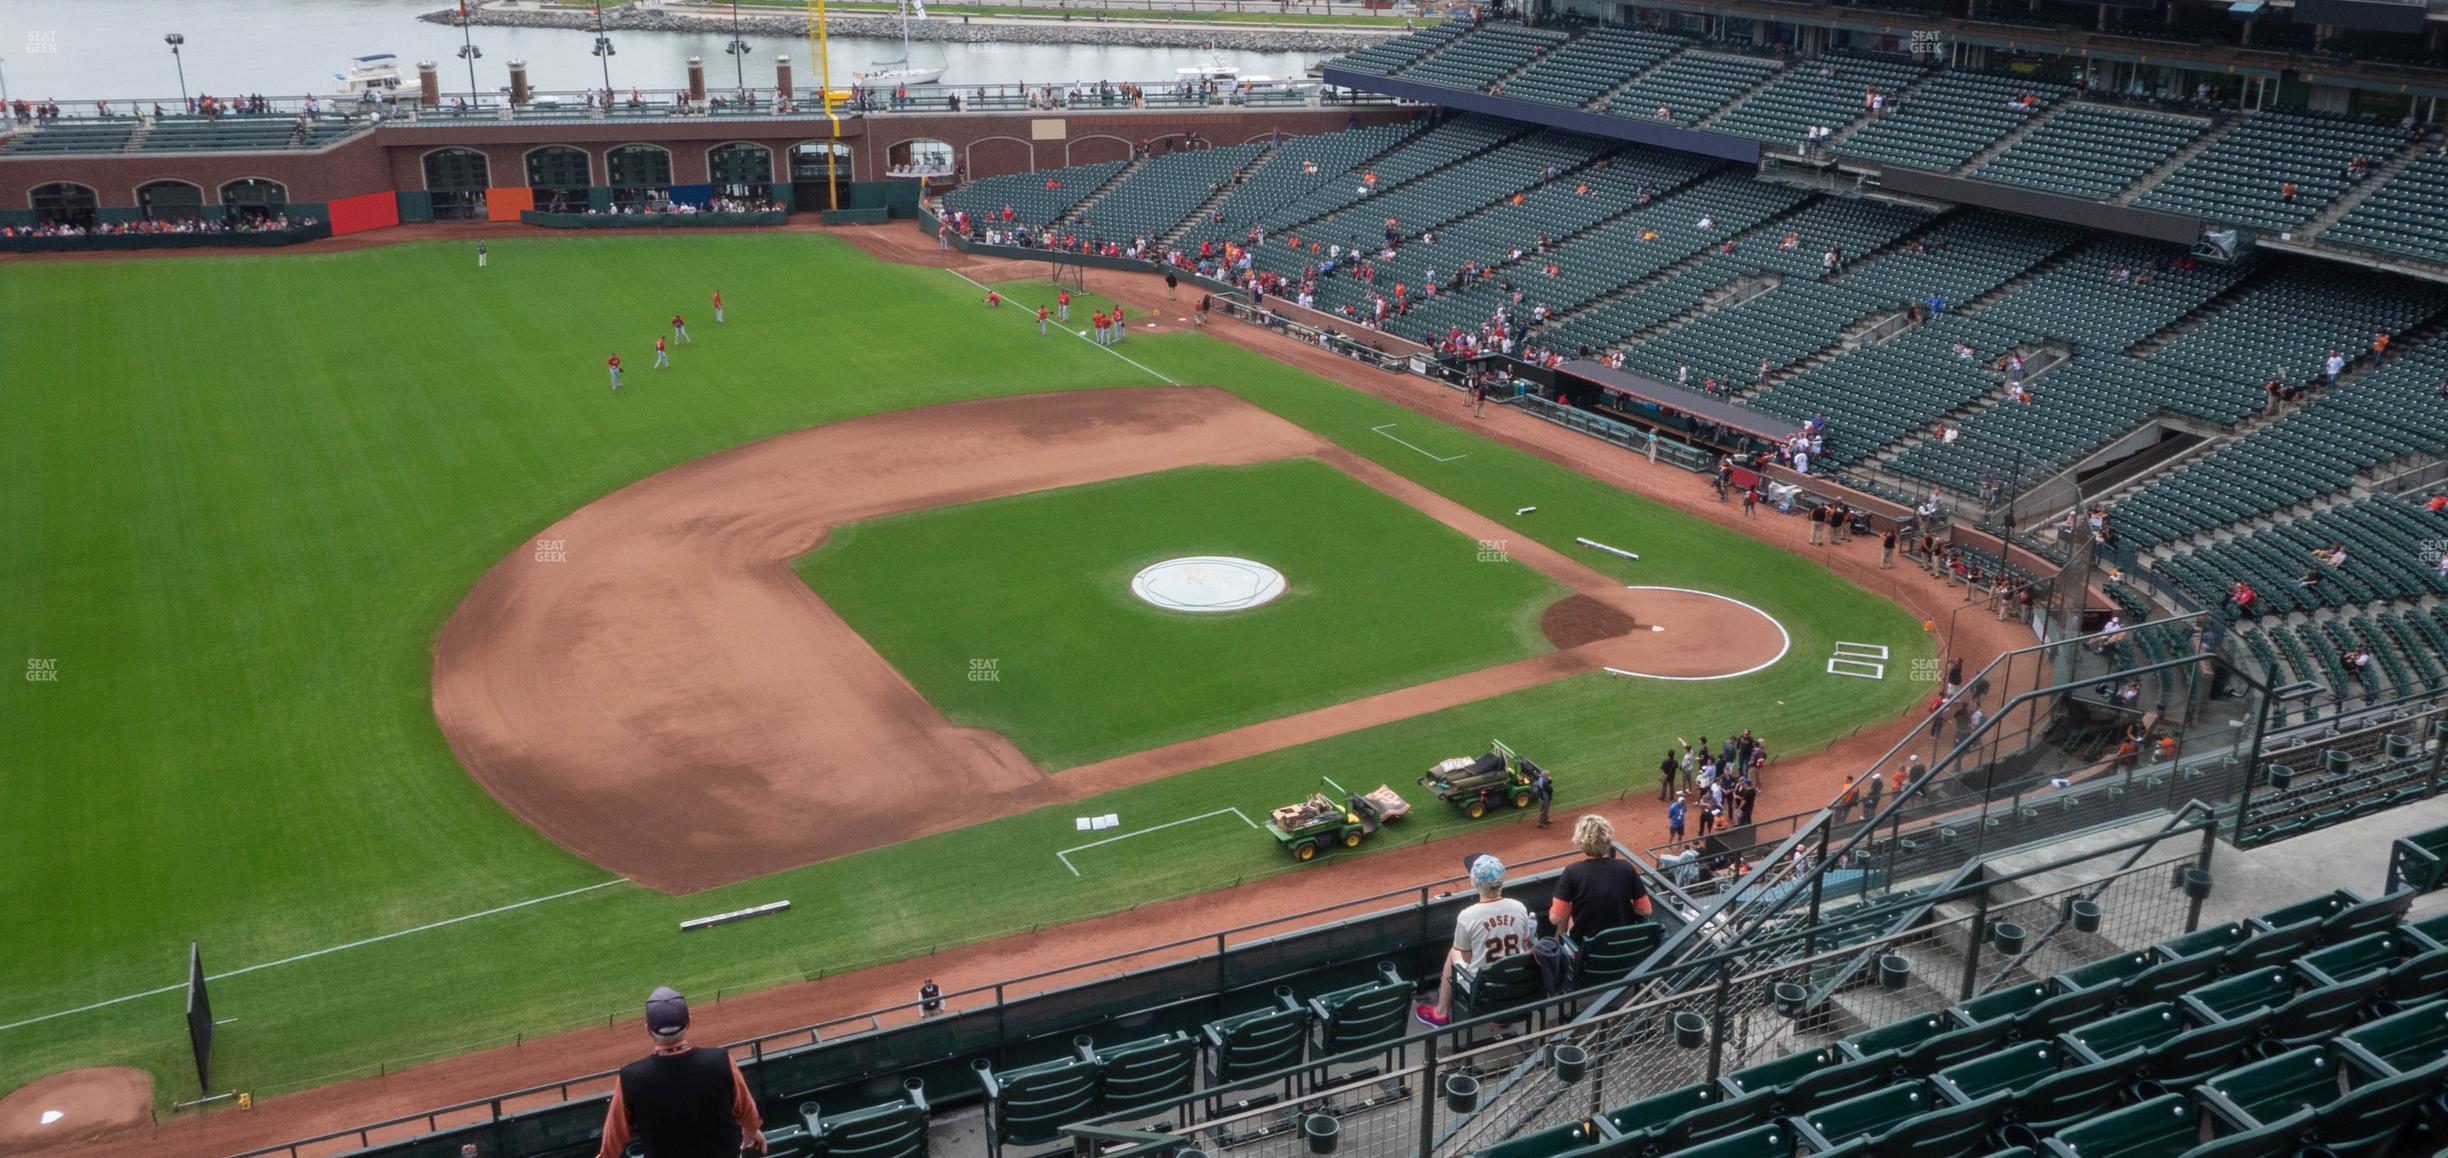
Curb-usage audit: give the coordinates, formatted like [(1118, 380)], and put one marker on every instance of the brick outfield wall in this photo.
[(392, 159)]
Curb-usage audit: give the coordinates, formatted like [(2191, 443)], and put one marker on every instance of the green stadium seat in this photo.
[(1612, 955), (896, 1129), (1258, 1042), (2272, 1089), (2068, 1096), (1031, 1104), (2368, 1121), (1147, 1071), (2405, 1041), (1866, 1116), (2163, 1127), (1506, 983), (1897, 1035), (2003, 1071), (1358, 1017), (2283, 1136)]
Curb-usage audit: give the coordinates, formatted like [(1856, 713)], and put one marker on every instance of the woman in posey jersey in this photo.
[(1496, 927)]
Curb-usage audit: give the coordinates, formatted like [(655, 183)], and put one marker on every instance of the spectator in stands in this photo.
[(680, 1100), (2245, 600), (1495, 928), (2333, 555)]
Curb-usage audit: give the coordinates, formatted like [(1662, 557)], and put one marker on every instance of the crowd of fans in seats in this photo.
[(276, 223), (688, 209)]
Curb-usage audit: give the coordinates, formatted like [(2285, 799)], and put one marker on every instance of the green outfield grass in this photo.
[(241, 498), (1378, 596)]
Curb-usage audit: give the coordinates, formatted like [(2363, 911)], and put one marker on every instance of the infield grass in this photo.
[(240, 499), (1378, 596)]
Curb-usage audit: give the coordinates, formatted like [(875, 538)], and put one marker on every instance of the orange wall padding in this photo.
[(506, 202)]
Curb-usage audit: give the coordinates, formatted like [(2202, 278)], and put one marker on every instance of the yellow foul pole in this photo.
[(819, 44)]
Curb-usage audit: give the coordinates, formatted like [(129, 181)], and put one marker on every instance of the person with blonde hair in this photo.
[(1601, 890)]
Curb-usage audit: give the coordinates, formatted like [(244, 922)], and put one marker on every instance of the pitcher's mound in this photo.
[(1578, 619), (78, 1106)]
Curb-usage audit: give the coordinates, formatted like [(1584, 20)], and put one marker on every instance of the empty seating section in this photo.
[(1947, 121), (1690, 86), (1583, 70), (1884, 391), (2409, 215), (97, 136), (2388, 413), (1965, 256), (1479, 59), (2391, 547), (1422, 154), (2087, 302), (2325, 1022), (1853, 228), (1801, 317), (1153, 199), (1298, 166), (1036, 199), (2295, 318), (1827, 92), (2238, 178), (1389, 56), (2077, 406), (1584, 266), (2091, 151), (196, 134)]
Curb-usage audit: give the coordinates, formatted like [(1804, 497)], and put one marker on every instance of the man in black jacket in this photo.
[(680, 1101)]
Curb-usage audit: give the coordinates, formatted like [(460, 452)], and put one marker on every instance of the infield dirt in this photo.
[(653, 687)]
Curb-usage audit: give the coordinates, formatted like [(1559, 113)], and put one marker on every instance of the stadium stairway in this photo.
[(2013, 138), (1191, 220), (1898, 98), (2225, 124), (1606, 100), (1730, 107), (2379, 179), (1078, 208)]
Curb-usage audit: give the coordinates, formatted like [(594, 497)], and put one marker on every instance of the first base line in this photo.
[(182, 986), (1065, 855), (1423, 450)]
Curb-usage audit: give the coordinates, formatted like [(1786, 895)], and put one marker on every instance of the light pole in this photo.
[(603, 52), (174, 40), (738, 49), (469, 53)]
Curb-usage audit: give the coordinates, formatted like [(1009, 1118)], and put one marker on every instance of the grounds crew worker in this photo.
[(680, 1101)]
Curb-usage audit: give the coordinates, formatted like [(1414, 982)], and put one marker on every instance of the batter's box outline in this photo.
[(1861, 661), (1065, 855)]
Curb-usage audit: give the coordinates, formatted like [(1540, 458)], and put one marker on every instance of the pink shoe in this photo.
[(1428, 1016)]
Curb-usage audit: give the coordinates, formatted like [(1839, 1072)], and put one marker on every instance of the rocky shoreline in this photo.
[(945, 29)]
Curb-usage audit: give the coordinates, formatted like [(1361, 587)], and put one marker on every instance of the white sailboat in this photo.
[(888, 73)]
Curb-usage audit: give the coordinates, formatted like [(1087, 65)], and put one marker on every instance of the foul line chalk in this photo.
[(1065, 855), (1595, 544), (1525, 510)]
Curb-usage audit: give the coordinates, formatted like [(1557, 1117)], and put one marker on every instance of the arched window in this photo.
[(254, 199), (457, 179), (641, 177), (741, 171), (64, 203), (559, 175), (923, 157), (170, 200)]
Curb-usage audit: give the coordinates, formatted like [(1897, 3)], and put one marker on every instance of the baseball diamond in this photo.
[(1747, 582)]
